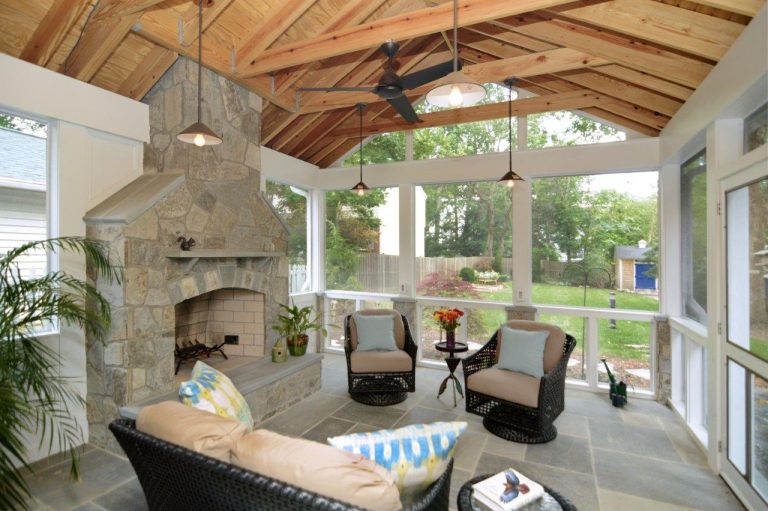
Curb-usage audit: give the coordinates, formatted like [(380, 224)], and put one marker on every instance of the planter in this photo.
[(298, 345)]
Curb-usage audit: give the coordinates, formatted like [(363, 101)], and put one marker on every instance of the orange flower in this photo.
[(448, 318)]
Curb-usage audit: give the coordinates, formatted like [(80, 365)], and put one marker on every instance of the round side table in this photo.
[(550, 501), (453, 362)]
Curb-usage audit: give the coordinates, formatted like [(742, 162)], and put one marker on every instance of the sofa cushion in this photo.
[(380, 361), (522, 351), (375, 333), (319, 468), (398, 323), (553, 350), (507, 385), (212, 391), (416, 455), (189, 427)]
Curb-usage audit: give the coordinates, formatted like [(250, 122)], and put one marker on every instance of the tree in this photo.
[(292, 208), (20, 124)]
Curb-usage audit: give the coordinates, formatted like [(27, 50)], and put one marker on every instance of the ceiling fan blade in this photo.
[(404, 108), (427, 75), (335, 89)]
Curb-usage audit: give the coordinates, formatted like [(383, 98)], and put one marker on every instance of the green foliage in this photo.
[(297, 321), (23, 125), (34, 398), (384, 148), (292, 208), (467, 274)]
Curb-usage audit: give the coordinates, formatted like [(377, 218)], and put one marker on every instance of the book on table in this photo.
[(507, 491)]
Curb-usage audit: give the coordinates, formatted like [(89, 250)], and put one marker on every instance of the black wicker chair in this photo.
[(514, 421), (175, 478), (380, 388)]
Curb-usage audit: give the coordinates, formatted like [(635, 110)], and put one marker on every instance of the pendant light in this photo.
[(198, 133), (456, 90), (510, 177), (360, 188)]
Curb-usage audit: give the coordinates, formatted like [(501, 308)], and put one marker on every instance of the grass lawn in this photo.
[(759, 347)]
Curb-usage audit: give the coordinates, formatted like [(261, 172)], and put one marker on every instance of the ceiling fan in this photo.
[(392, 86)]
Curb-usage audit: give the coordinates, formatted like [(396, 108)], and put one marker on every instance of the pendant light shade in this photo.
[(360, 188), (198, 133), (510, 176), (456, 90)]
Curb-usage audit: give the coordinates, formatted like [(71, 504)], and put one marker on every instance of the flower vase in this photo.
[(450, 339)]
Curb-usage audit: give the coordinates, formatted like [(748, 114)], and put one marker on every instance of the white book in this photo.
[(507, 491)]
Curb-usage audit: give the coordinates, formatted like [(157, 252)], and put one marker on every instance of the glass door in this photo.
[(746, 348)]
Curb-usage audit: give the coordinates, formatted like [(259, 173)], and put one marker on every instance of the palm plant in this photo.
[(35, 400), (294, 325)]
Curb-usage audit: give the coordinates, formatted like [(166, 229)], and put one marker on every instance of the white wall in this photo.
[(95, 148)]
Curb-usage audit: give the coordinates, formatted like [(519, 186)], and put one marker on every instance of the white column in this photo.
[(670, 248), (521, 243), (317, 242), (407, 262)]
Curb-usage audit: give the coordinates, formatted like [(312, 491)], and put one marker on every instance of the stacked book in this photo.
[(507, 491)]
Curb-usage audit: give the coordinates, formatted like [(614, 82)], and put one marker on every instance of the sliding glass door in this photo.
[(746, 347)]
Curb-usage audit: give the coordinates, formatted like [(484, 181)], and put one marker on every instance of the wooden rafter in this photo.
[(743, 7), (147, 73), (211, 11), (645, 80), (404, 26), (51, 31), (667, 25), (99, 40), (549, 103), (118, 8)]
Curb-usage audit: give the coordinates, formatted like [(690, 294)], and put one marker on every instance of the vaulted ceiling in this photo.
[(630, 62)]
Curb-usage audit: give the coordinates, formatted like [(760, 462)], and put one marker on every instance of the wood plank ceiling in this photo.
[(630, 62)]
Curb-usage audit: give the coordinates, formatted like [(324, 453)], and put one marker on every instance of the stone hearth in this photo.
[(211, 194)]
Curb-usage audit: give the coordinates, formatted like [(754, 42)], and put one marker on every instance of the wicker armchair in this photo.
[(176, 478), (531, 421), (389, 385)]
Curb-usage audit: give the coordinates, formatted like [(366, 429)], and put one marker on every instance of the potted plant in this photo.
[(34, 397), (293, 326)]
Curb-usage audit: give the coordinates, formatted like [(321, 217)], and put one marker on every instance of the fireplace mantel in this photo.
[(219, 254)]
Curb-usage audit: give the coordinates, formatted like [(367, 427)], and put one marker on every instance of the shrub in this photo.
[(503, 277), (467, 274), (436, 284)]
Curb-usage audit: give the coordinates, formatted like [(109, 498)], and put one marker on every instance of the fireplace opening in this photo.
[(231, 320)]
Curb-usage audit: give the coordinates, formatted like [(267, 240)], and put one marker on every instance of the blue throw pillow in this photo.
[(375, 333), (522, 351)]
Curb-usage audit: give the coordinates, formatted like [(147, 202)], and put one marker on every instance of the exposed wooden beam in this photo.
[(282, 15), (620, 50), (624, 91), (744, 7), (404, 26), (212, 9), (550, 103), (673, 27), (273, 124), (645, 80), (98, 41), (147, 73), (116, 8), (59, 19), (552, 61)]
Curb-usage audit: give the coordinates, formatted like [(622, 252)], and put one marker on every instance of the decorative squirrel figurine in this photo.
[(186, 244)]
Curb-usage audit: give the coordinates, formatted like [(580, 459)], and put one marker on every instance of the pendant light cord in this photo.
[(455, 35), (361, 142), (200, 61), (509, 116)]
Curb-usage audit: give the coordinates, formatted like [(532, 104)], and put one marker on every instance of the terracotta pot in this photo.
[(297, 346)]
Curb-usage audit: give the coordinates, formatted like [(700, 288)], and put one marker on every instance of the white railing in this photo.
[(591, 345)]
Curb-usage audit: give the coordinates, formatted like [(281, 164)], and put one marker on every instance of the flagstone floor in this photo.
[(637, 459)]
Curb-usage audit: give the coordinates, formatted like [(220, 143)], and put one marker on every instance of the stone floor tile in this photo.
[(649, 442), (674, 483), (568, 452), (361, 427), (615, 500), (579, 488), (504, 448), (572, 424), (588, 406), (126, 497), (381, 416), (468, 451), (641, 419), (304, 415), (422, 415), (458, 478), (685, 444), (329, 427), (89, 506)]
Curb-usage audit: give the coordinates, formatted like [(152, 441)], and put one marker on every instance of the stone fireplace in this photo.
[(232, 280)]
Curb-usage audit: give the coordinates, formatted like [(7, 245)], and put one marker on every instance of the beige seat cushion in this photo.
[(318, 468), (507, 385), (553, 349), (189, 427), (398, 321), (380, 361)]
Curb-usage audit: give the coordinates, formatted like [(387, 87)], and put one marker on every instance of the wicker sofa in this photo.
[(176, 478)]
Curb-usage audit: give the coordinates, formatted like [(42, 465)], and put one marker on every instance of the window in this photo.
[(556, 129), (23, 184), (693, 209), (362, 241), (384, 148), (756, 129), (291, 204), (464, 240)]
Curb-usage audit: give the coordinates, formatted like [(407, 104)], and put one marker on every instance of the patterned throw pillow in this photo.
[(212, 391), (416, 456)]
